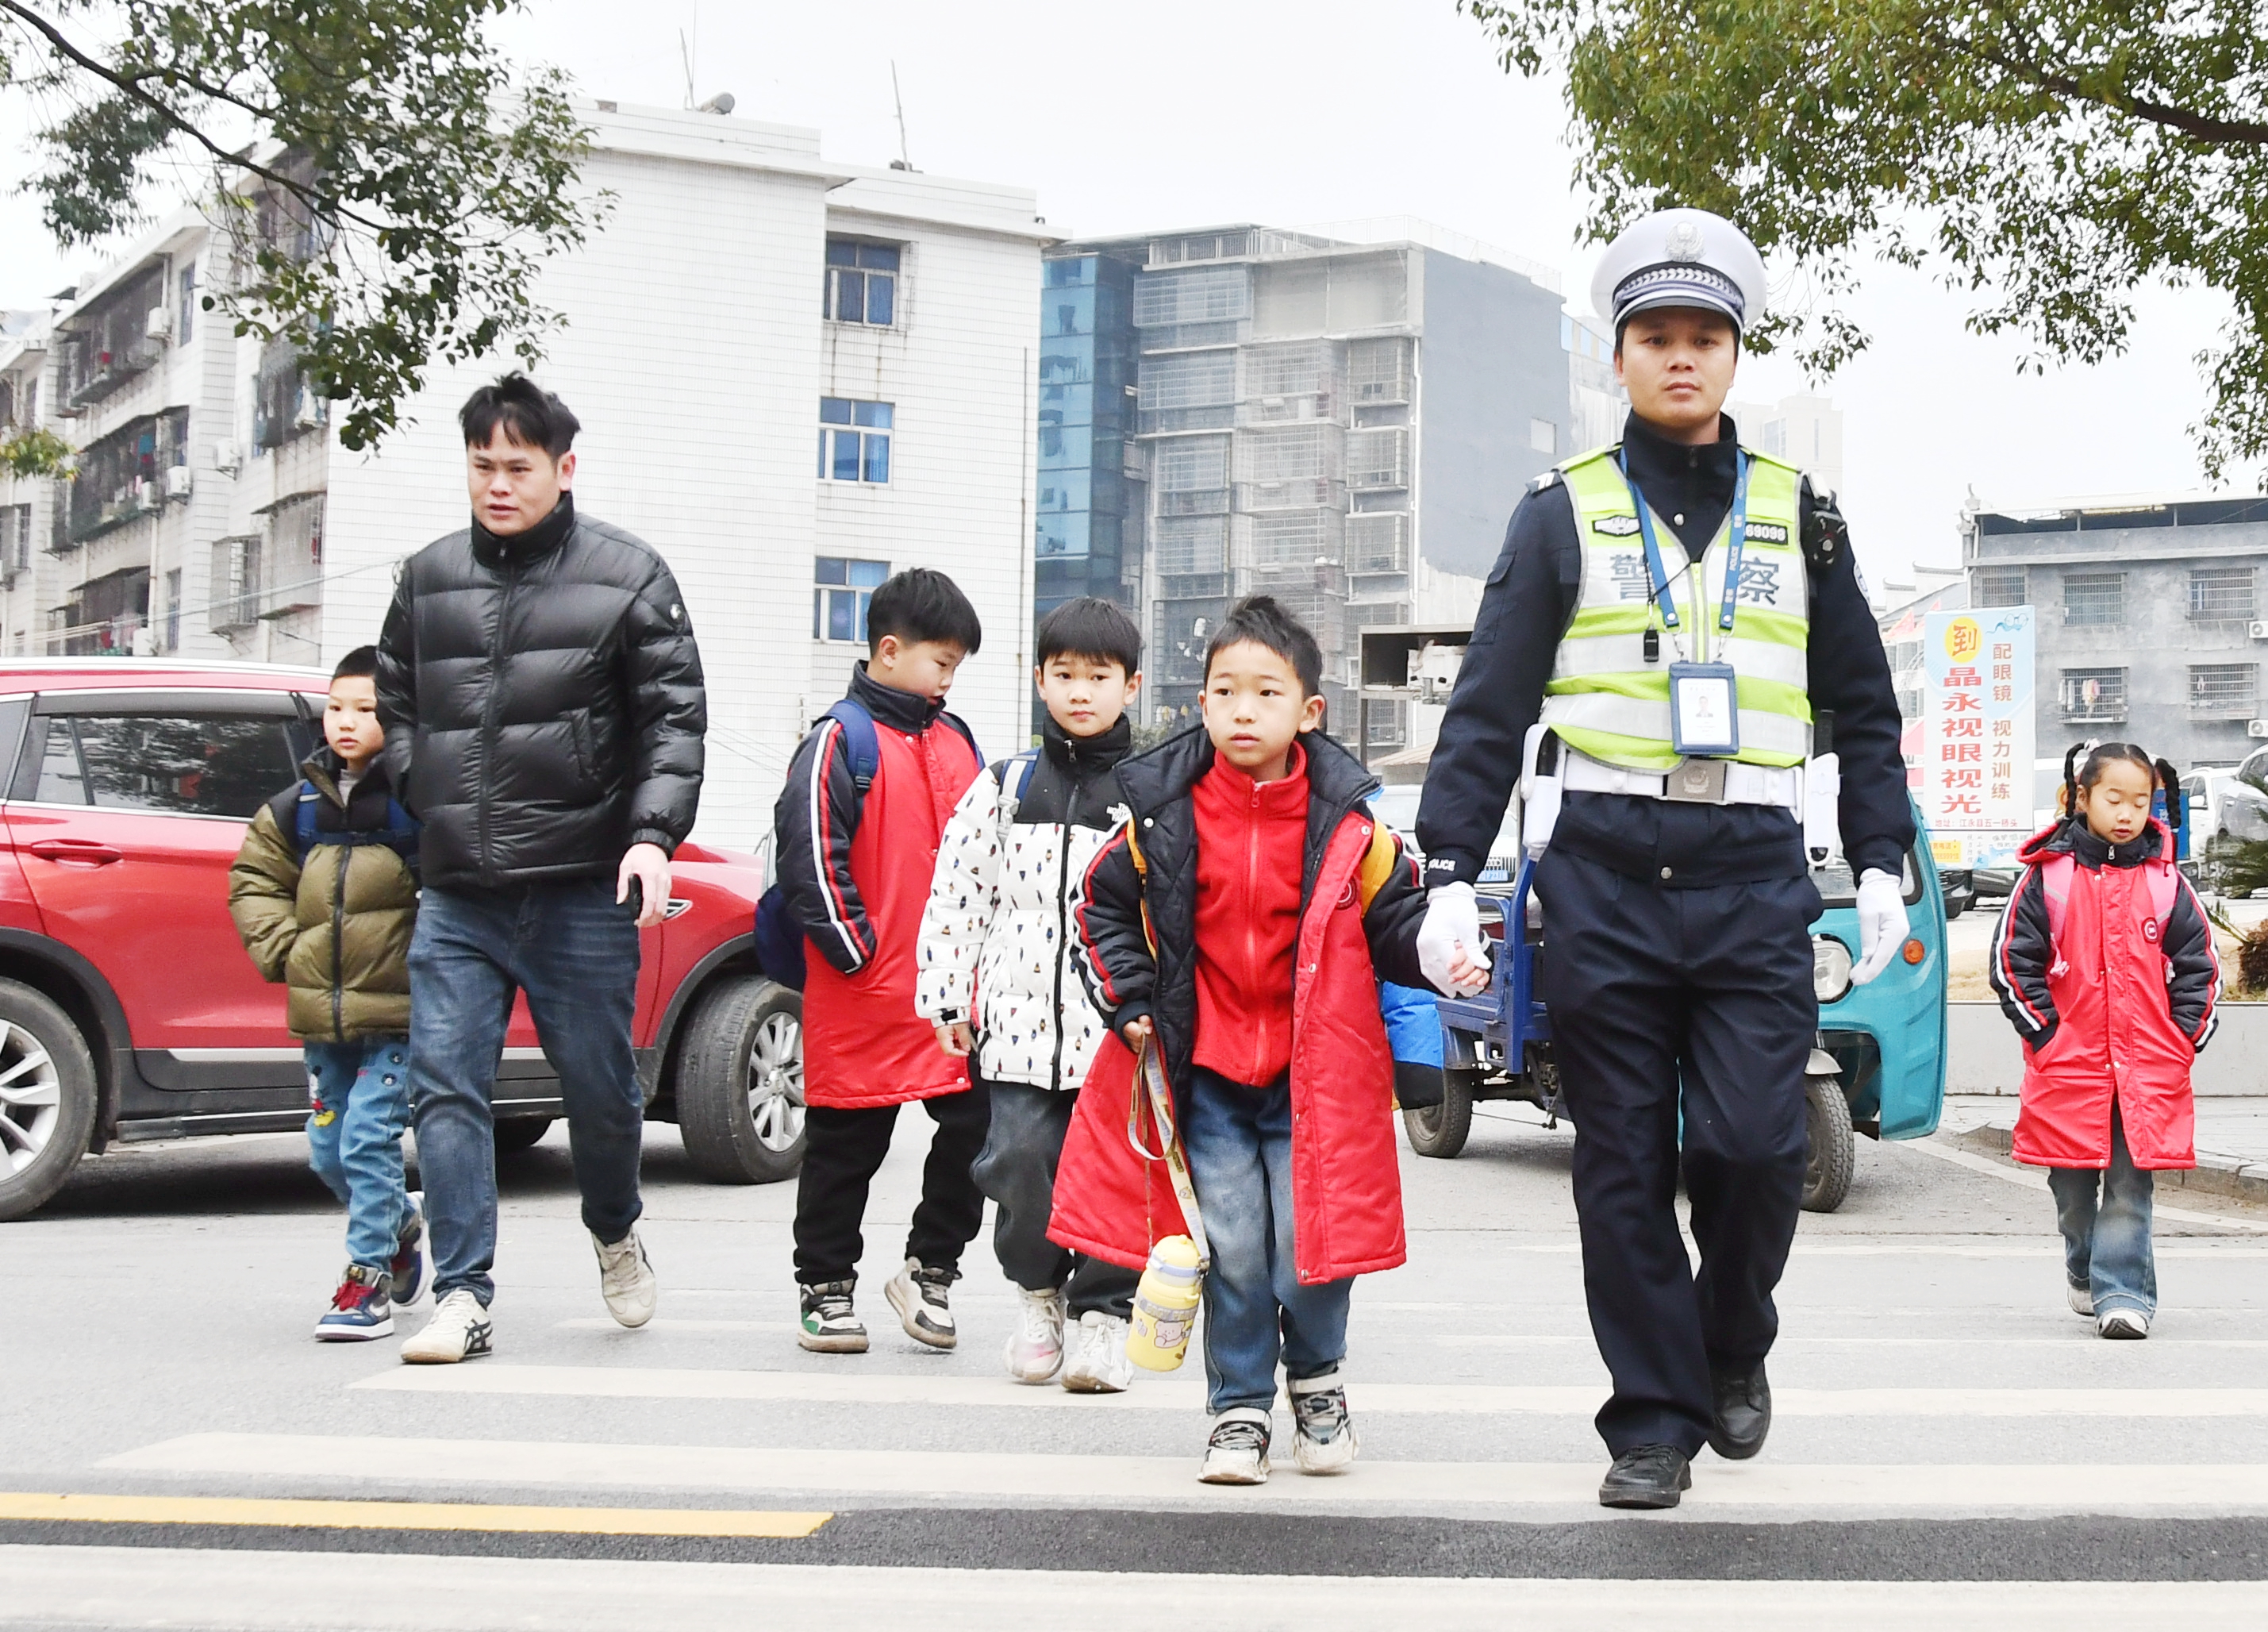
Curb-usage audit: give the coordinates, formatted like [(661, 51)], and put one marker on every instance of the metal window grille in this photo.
[(2231, 690), (1188, 380), (1997, 585), (1378, 371), (2094, 599), (1191, 464), (1200, 295), (1290, 453), (1379, 458), (1288, 538), (2220, 592), (2094, 693), (1377, 542), (1307, 368), (1185, 544)]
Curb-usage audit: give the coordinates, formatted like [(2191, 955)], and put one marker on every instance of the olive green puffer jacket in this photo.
[(337, 928)]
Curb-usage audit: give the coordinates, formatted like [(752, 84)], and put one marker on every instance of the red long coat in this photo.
[(863, 1044), (2113, 1008), (1346, 1183)]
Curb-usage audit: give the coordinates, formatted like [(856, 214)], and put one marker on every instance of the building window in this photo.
[(2225, 691), (854, 440), (2094, 599), (188, 304), (862, 282), (2220, 592), (1998, 585), (2093, 694), (838, 604)]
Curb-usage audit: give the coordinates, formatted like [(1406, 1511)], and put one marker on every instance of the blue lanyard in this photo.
[(1658, 577)]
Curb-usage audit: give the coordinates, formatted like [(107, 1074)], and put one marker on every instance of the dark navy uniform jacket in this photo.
[(1529, 601)]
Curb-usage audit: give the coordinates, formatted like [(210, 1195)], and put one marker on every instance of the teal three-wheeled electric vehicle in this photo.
[(1878, 1068)]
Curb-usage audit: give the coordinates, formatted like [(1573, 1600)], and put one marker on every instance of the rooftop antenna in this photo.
[(687, 51), (902, 161)]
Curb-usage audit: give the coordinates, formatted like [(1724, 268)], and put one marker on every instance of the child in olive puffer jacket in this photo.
[(324, 893)]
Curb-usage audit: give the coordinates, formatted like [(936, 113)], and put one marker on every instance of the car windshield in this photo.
[(1837, 888)]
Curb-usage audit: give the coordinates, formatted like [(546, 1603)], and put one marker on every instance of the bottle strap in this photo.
[(1150, 1082)]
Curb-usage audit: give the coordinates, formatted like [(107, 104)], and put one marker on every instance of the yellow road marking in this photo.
[(581, 1521)]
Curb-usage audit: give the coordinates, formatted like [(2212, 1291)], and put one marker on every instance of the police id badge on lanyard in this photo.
[(1704, 702)]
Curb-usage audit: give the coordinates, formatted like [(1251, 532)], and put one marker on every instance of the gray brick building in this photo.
[(2152, 618)]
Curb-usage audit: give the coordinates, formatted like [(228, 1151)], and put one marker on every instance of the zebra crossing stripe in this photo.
[(459, 1516)]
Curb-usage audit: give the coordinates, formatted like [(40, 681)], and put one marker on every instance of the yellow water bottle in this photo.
[(1165, 1306)]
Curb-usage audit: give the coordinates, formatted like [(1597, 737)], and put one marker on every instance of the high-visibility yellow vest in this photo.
[(1604, 696)]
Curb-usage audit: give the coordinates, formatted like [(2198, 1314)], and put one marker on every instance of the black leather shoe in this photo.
[(1649, 1476), (1743, 1414)]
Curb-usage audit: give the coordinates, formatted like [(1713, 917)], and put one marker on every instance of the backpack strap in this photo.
[(1014, 776), (1377, 863), (967, 735), (2160, 877), (859, 741)]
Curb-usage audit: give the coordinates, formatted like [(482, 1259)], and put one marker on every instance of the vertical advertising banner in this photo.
[(1977, 746)]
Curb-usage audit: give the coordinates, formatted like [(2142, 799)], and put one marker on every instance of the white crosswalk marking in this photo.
[(865, 1388)]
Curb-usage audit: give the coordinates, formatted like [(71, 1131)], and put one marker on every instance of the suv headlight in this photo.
[(1830, 968)]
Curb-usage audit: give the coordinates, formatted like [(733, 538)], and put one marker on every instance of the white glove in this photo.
[(1882, 924), (1452, 919)]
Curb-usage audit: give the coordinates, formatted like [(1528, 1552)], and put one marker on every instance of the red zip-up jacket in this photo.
[(1251, 847)]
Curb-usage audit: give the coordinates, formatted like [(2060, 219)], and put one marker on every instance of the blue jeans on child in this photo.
[(2106, 1236), (573, 950), (1239, 1143), (360, 1095)]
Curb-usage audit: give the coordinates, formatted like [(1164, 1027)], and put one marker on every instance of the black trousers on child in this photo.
[(1017, 1172), (843, 1150)]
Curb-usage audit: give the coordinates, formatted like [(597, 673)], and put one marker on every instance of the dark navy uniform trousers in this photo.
[(1664, 998)]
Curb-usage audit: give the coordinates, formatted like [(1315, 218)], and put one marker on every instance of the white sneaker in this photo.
[(1098, 1364), (1237, 1452), (2081, 1298), (1326, 1440), (458, 1330), (626, 1281), (2124, 1323), (1036, 1347), (919, 1294)]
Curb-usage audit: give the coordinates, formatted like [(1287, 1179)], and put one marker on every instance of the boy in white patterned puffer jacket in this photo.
[(996, 978)]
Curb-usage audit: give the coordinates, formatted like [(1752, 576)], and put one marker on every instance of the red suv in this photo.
[(128, 1009)]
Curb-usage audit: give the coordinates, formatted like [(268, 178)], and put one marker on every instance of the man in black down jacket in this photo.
[(543, 707)]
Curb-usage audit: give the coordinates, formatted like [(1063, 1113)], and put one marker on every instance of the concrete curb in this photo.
[(2214, 1175)]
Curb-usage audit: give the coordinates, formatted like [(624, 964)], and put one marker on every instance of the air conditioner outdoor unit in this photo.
[(308, 410), (2255, 728), (226, 458), (159, 325), (2258, 628), (177, 482)]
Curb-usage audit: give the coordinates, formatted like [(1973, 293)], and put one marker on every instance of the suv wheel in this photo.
[(47, 1098), (740, 1084)]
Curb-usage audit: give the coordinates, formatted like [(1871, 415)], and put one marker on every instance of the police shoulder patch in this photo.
[(1549, 478), (1767, 532), (1615, 525)]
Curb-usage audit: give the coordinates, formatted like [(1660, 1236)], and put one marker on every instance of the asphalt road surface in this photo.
[(1952, 1446)]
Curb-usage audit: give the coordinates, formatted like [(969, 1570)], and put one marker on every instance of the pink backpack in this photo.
[(2160, 877)]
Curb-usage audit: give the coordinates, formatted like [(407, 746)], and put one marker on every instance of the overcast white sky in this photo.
[(1188, 112)]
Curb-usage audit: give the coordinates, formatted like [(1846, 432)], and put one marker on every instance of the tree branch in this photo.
[(131, 85), (2219, 132)]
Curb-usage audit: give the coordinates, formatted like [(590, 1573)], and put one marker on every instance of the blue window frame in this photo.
[(862, 283), (838, 602), (854, 439)]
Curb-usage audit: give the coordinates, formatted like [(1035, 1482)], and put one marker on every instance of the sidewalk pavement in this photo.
[(2231, 1139)]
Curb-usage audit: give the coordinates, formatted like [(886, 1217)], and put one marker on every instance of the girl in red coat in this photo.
[(2104, 961), (1240, 921)]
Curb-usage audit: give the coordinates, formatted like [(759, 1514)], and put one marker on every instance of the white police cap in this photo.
[(1681, 257)]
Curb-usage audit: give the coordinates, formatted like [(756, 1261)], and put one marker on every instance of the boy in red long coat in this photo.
[(854, 863), (1247, 944)]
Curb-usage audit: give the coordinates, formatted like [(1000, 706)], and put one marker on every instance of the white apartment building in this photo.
[(795, 377)]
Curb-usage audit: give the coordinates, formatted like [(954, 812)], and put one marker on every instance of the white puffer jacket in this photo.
[(996, 941)]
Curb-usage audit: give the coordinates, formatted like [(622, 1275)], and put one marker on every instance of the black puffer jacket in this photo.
[(542, 701)]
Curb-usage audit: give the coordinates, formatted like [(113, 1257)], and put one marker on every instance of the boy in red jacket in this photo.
[(854, 860), (1240, 920)]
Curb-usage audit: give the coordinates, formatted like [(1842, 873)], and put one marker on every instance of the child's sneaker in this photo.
[(1325, 1441), (406, 1275), (1036, 1347), (828, 1327), (2123, 1323), (1099, 1364), (919, 1294), (2081, 1298), (626, 1281), (1237, 1452), (458, 1330), (360, 1309)]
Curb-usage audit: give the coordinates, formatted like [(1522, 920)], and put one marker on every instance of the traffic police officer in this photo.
[(1670, 613)]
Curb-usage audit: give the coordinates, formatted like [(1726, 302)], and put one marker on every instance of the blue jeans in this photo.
[(359, 1103), (574, 950), (2106, 1236), (1238, 1143)]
